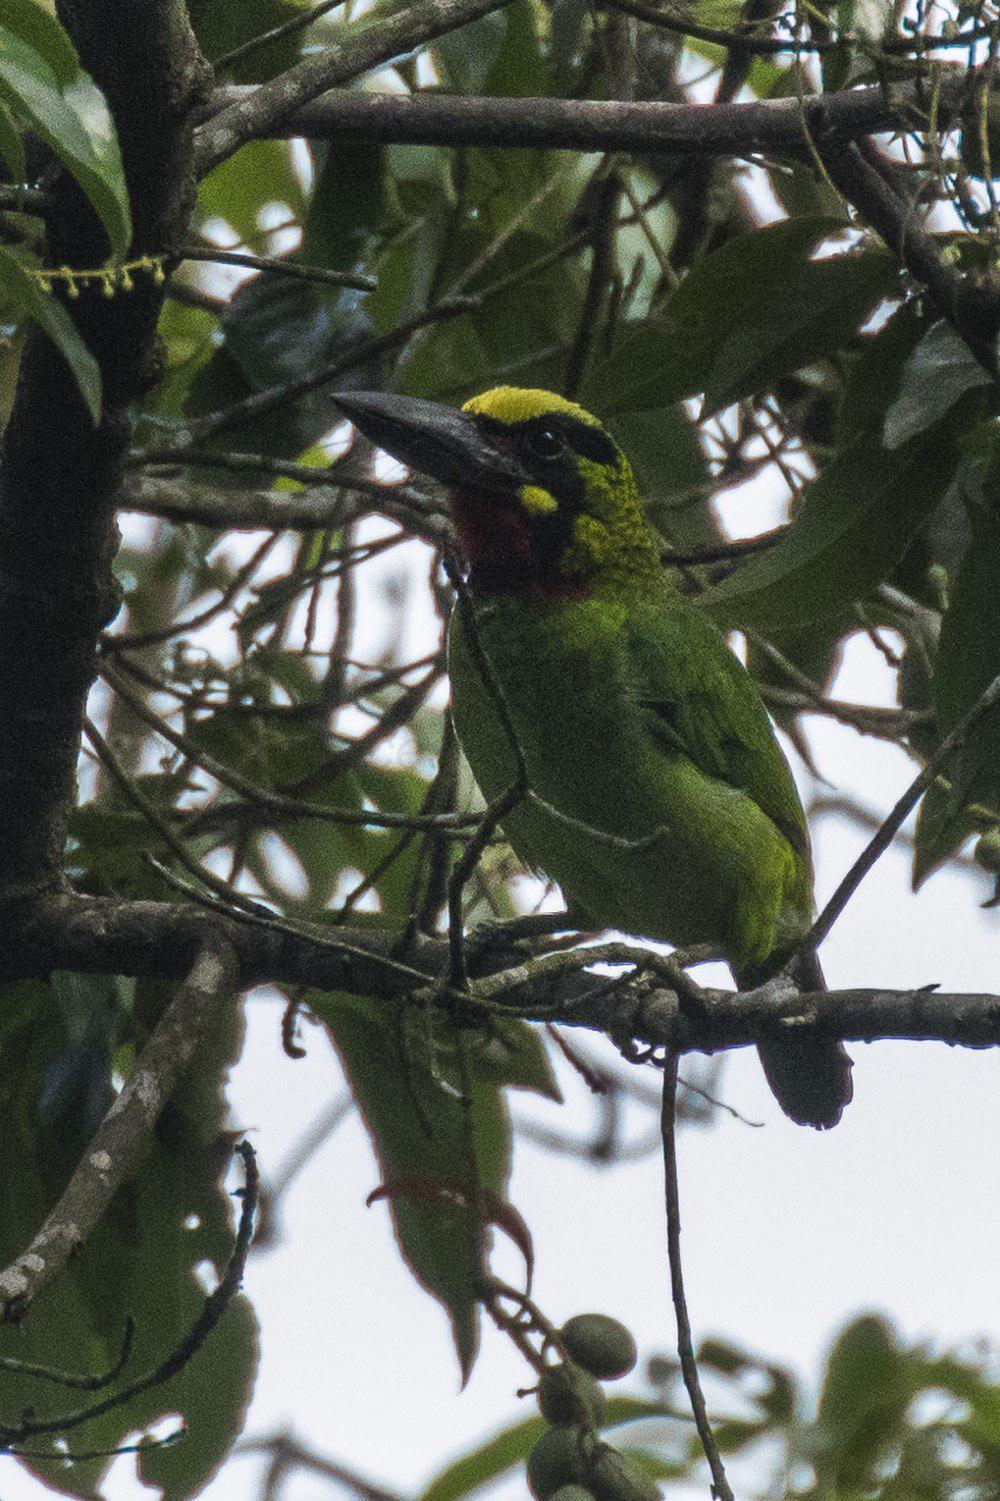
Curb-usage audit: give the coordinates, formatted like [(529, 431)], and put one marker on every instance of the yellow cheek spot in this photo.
[(540, 502)]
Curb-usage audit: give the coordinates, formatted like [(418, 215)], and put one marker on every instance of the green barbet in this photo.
[(632, 715)]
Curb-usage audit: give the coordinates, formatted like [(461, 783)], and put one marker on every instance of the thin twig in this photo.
[(278, 265), (685, 1349), (69, 1378), (880, 842), (263, 38)]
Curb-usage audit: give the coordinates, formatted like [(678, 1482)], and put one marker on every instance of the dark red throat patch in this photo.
[(510, 551)]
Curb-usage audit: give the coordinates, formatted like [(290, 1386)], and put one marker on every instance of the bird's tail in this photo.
[(810, 1077)]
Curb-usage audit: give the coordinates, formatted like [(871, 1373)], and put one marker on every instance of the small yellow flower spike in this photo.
[(540, 501)]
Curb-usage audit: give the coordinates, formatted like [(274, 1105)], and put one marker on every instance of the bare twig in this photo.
[(685, 1349), (278, 265), (356, 50), (287, 1454)]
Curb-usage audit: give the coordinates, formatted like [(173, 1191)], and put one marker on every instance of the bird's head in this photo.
[(543, 498)]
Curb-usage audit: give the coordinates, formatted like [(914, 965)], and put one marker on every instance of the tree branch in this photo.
[(115, 1145), (707, 130), (972, 309), (265, 109), (106, 936), (56, 522)]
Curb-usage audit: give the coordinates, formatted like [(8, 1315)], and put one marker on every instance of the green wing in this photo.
[(698, 699)]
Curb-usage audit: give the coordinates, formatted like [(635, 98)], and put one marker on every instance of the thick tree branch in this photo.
[(56, 521), (263, 110), (867, 184), (112, 1152), (101, 935), (741, 130)]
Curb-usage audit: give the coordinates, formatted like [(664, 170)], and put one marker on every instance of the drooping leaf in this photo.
[(967, 661), (11, 145), (405, 1083), (62, 1045), (276, 329), (874, 371), (24, 293), (937, 374), (41, 79), (755, 309), (866, 1390), (511, 1447), (856, 521)]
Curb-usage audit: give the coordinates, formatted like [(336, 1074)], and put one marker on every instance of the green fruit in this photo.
[(987, 850), (572, 1493), (558, 1459), (614, 1476), (602, 1345), (568, 1395)]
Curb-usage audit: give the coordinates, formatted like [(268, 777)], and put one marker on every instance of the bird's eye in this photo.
[(545, 443)]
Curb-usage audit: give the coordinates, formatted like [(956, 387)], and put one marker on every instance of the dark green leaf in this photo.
[(11, 145), (404, 1080), (511, 1446), (866, 1390), (21, 291), (344, 205), (62, 1044), (221, 27), (968, 659), (855, 523), (755, 309), (277, 329), (41, 79), (875, 371), (937, 374)]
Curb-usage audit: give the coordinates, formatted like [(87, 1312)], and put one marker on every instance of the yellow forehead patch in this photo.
[(513, 404), (540, 502)]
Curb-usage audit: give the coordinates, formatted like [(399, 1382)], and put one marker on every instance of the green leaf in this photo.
[(275, 329), (11, 145), (875, 372), (967, 661), (345, 204), (240, 187), (221, 27), (41, 79), (24, 293), (512, 1445), (517, 1057), (756, 309), (404, 1080), (856, 521), (937, 374), (62, 1044), (38, 28), (466, 56), (866, 1390)]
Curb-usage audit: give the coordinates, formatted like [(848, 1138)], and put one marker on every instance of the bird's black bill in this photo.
[(439, 441)]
